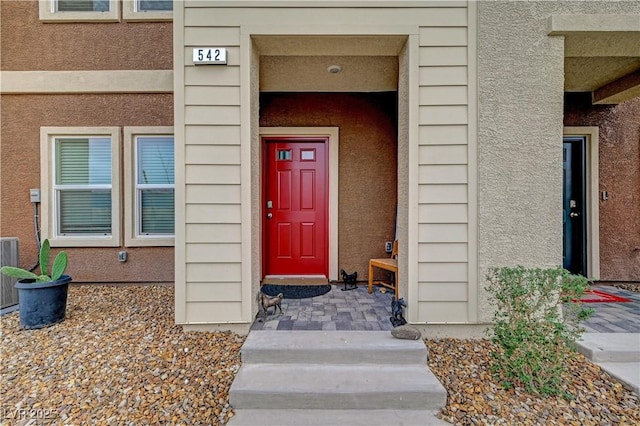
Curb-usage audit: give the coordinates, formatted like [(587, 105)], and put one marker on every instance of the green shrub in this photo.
[(533, 334)]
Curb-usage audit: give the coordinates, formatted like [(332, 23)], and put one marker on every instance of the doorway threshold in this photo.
[(295, 279)]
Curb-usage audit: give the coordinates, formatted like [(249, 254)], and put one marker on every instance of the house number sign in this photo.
[(209, 56)]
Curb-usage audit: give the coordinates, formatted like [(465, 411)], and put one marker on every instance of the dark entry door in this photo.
[(574, 251), (295, 206)]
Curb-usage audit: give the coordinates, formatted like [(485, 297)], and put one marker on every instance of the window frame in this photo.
[(48, 136), (132, 238), (130, 13), (47, 12)]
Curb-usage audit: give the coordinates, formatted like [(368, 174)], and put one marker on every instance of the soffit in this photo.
[(602, 55), (300, 63)]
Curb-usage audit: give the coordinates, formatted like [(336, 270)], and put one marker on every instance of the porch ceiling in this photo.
[(602, 55), (301, 63)]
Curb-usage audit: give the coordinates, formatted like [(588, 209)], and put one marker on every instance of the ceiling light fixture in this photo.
[(334, 69)]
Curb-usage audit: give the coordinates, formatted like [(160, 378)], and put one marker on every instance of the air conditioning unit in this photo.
[(9, 256)]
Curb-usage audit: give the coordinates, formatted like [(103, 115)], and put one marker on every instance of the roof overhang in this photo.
[(601, 55)]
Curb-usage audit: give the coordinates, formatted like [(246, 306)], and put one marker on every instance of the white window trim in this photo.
[(48, 13), (129, 13), (130, 237), (47, 152)]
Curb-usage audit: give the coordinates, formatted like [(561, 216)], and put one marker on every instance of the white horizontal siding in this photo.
[(442, 173), (213, 252), (443, 95), (212, 154), (444, 135), (214, 233), (212, 135), (212, 95), (214, 312), (443, 312), (213, 194), (205, 75), (447, 193), (441, 56), (442, 252), (443, 76), (214, 291), (226, 114), (212, 213), (443, 154), (443, 36), (215, 173), (443, 272), (443, 232), (210, 272), (442, 213), (224, 17), (443, 292), (211, 35)]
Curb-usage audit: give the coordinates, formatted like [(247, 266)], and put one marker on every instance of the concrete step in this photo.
[(336, 417), (627, 373), (610, 347), (331, 347), (616, 353), (343, 386)]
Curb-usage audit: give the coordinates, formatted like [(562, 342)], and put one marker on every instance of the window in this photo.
[(79, 10), (153, 5), (80, 186), (81, 5), (147, 10), (149, 191)]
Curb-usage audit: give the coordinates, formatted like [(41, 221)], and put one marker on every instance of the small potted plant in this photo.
[(42, 299)]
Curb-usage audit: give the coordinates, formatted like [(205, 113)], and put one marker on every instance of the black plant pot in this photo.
[(42, 304)]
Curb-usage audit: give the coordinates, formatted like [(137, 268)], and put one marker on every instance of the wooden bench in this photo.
[(388, 264)]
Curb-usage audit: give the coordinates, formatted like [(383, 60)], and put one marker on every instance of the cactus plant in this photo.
[(57, 269)]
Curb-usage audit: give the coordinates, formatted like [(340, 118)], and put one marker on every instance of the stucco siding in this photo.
[(521, 85)]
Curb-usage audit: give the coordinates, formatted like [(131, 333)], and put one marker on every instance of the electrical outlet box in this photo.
[(34, 195), (388, 246)]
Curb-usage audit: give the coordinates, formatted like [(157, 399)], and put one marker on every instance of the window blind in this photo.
[(155, 185), (82, 5), (154, 5), (83, 186)]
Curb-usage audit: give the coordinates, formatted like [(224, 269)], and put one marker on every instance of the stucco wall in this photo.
[(367, 164), (29, 44), (620, 176), (21, 117), (520, 89)]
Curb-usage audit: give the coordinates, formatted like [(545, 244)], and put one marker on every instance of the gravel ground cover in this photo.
[(118, 359), (475, 397)]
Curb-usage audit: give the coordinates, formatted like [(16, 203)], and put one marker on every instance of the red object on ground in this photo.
[(597, 296)]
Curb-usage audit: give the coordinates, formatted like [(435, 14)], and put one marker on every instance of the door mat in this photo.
[(598, 296), (295, 291)]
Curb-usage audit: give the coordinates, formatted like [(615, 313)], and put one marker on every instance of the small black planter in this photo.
[(42, 304)]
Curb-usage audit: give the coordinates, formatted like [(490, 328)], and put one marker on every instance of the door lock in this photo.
[(574, 214), (269, 215)]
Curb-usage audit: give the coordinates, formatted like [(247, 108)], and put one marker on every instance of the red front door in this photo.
[(295, 206)]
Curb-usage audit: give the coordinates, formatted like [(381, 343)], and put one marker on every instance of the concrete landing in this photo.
[(618, 354)]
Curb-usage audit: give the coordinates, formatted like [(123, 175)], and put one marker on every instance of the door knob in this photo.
[(269, 215), (574, 214)]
